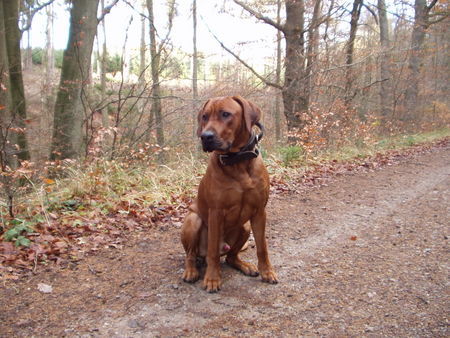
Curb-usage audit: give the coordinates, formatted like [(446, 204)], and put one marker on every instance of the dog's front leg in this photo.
[(212, 280), (258, 223)]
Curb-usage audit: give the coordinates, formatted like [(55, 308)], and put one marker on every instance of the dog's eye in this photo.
[(225, 114), (205, 117)]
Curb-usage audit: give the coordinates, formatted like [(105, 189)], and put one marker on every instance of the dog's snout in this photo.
[(210, 141), (207, 136)]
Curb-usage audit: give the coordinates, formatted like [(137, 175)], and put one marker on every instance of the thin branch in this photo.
[(259, 16), (371, 12), (134, 9), (33, 11), (246, 65), (432, 22), (107, 10), (373, 83), (431, 5)]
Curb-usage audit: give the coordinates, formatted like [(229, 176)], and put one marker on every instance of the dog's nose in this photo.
[(207, 136)]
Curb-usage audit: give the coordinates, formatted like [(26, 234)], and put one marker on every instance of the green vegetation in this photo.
[(37, 56), (17, 231), (291, 155), (363, 149)]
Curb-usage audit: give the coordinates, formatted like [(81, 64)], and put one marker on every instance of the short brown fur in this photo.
[(228, 197)]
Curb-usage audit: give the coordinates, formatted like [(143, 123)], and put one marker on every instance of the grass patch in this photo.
[(104, 185), (364, 149)]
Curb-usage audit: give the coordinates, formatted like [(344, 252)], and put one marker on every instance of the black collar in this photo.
[(247, 152)]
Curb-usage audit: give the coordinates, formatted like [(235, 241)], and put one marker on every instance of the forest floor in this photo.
[(363, 254)]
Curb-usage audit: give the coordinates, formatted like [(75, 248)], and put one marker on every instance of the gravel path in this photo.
[(366, 255)]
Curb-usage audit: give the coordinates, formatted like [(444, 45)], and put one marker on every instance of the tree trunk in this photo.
[(294, 99), (313, 44), (278, 77), (48, 91), (349, 75), (49, 60), (142, 53), (12, 41), (68, 118), (194, 70), (385, 72), (6, 141), (156, 109), (415, 58), (103, 60)]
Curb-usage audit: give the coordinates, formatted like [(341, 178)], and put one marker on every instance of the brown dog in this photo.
[(234, 190)]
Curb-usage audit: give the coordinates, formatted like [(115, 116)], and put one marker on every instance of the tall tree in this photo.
[(69, 112), (12, 42), (278, 76), (349, 53), (155, 54), (423, 18), (49, 60), (294, 89), (104, 58), (385, 72), (313, 45), (6, 158), (194, 67)]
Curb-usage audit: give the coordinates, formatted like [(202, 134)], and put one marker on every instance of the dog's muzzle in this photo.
[(210, 141)]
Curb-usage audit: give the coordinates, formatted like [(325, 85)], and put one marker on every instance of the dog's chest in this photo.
[(243, 202)]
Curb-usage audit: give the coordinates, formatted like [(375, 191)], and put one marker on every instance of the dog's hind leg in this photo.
[(190, 237)]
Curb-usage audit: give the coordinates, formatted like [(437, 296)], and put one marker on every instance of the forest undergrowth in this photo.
[(70, 211)]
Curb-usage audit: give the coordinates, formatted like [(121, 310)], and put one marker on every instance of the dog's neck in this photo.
[(247, 152)]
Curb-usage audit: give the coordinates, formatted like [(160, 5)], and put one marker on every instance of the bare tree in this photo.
[(349, 75), (194, 67), (385, 71), (423, 19), (12, 44), (69, 111), (278, 76), (294, 89), (155, 54)]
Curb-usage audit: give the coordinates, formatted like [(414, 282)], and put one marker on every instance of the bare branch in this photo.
[(259, 16), (246, 65), (32, 12), (373, 83), (371, 12), (107, 10), (432, 22), (431, 5)]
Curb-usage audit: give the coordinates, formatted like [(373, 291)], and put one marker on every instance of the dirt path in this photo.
[(366, 255)]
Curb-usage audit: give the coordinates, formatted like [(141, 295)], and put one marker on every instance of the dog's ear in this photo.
[(199, 119), (252, 113)]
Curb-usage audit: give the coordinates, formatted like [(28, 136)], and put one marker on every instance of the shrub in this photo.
[(291, 154)]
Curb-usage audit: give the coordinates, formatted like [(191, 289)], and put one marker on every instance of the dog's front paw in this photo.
[(211, 285), (269, 276), (190, 275)]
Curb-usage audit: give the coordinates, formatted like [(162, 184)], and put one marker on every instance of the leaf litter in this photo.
[(66, 236)]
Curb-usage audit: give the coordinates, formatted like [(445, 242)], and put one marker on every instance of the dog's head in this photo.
[(225, 123)]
